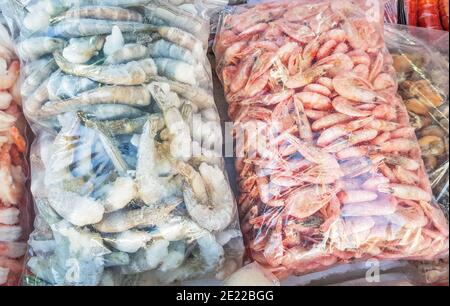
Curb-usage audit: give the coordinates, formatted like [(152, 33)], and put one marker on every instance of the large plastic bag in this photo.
[(14, 209), (127, 171), (329, 167), (422, 71), (421, 61)]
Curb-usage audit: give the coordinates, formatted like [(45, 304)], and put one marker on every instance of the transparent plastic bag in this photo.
[(421, 61), (329, 166), (14, 200), (127, 170), (422, 70)]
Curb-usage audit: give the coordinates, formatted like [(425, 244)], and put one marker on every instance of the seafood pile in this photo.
[(127, 171), (423, 82), (13, 168), (330, 170)]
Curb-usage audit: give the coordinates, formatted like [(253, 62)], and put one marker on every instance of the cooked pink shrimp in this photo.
[(314, 100), (354, 88), (341, 48), (360, 57), (385, 111), (353, 152), (363, 135), (384, 81), (373, 182), (383, 137), (361, 71), (398, 145), (329, 121), (335, 132), (405, 132), (344, 106), (318, 88), (405, 176), (231, 55), (242, 76), (315, 114), (357, 196), (407, 192)]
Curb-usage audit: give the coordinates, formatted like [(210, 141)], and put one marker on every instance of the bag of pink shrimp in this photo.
[(329, 167), (14, 208)]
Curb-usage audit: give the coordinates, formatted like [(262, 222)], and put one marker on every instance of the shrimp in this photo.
[(407, 192), (356, 196), (305, 202), (78, 210), (307, 76), (335, 132), (176, 70), (181, 142), (345, 107), (182, 38), (131, 73), (33, 48), (398, 145), (354, 88), (10, 190), (151, 187), (128, 53), (128, 95), (81, 50), (102, 12), (8, 79), (121, 221), (384, 207), (314, 100), (12, 249), (78, 27), (329, 121), (164, 48), (209, 200)]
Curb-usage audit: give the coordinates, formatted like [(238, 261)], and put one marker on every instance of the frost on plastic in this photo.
[(14, 208), (330, 170), (127, 175)]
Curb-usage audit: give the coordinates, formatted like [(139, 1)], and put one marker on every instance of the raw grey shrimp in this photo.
[(37, 76), (131, 73), (180, 144), (127, 95), (165, 49), (36, 47), (102, 12), (151, 187), (209, 201), (75, 27), (81, 50), (66, 86), (176, 70), (121, 221)]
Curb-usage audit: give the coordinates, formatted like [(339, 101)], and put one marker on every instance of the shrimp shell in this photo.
[(36, 47), (131, 73)]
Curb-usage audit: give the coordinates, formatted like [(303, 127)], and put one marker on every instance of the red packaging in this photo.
[(428, 14)]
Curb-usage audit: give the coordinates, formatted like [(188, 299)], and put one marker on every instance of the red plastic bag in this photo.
[(428, 14)]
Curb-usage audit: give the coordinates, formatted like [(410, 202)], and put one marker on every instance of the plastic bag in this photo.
[(421, 61), (423, 80), (14, 208), (323, 179), (391, 13), (127, 171)]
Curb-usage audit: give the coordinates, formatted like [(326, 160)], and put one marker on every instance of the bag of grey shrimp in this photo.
[(127, 168), (15, 208), (329, 168)]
